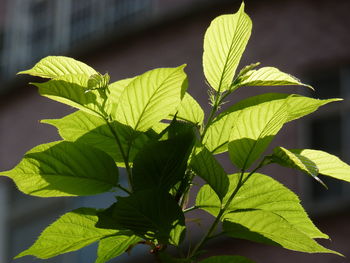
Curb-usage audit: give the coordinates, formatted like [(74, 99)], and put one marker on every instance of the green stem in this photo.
[(125, 158), (241, 182), (190, 209), (218, 218), (211, 115), (124, 189)]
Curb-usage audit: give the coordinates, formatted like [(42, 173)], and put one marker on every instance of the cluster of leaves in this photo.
[(153, 129)]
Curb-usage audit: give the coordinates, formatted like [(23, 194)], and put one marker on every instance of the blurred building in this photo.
[(309, 39)]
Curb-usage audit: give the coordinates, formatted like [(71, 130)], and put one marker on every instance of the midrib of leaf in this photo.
[(229, 53), (150, 99)]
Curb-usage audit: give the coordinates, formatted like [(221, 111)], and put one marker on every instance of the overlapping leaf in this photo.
[(287, 158), (151, 97), (327, 164), (113, 246), (71, 90), (70, 232), (263, 193), (58, 66), (270, 228), (224, 43), (160, 165), (89, 129), (253, 130), (64, 169), (218, 134), (207, 167), (150, 214), (268, 76), (189, 110)]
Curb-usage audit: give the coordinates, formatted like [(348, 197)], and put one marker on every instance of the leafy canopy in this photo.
[(151, 127)]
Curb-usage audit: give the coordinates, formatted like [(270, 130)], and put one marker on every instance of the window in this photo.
[(42, 28), (328, 130)]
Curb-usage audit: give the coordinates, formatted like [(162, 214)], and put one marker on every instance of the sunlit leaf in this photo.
[(64, 169), (269, 228), (224, 43), (71, 90), (263, 193), (113, 246), (268, 76), (189, 110), (57, 66), (88, 129), (287, 158), (70, 232), (218, 134), (151, 97), (327, 164)]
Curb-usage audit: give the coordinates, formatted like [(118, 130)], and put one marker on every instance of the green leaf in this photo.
[(270, 228), (160, 165), (253, 130), (71, 90), (151, 97), (115, 90), (113, 246), (85, 128), (70, 232), (189, 110), (218, 134), (226, 259), (224, 43), (268, 76), (57, 66), (263, 193), (150, 214), (287, 158), (327, 164), (64, 169), (207, 167)]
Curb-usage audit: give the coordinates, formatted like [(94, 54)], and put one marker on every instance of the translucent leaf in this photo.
[(151, 97), (224, 43), (327, 164), (70, 232), (85, 128), (189, 110), (217, 136), (226, 259), (263, 193), (115, 90), (270, 228), (253, 130), (207, 167), (64, 169), (113, 246), (150, 214), (160, 165), (268, 76), (71, 90), (57, 66), (287, 158)]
